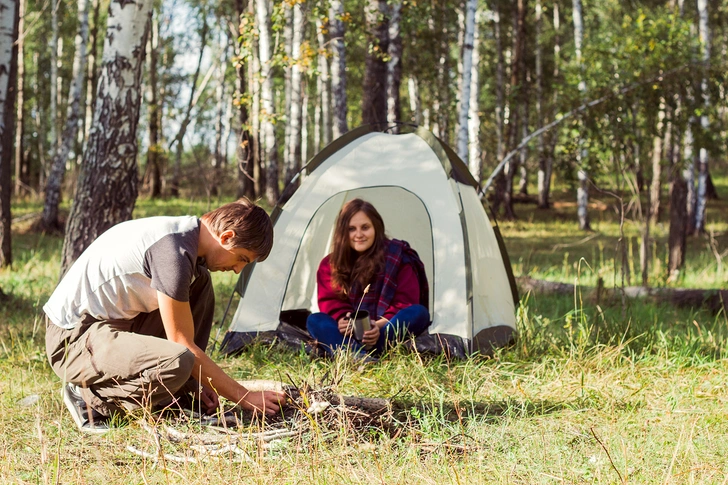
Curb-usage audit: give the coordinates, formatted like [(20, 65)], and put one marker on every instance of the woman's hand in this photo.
[(345, 326), (371, 336)]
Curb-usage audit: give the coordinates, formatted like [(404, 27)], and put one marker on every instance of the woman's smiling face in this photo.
[(361, 232)]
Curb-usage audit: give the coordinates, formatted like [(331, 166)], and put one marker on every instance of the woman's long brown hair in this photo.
[(347, 266)]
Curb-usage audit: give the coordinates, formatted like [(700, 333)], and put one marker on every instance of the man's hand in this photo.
[(345, 326), (209, 399), (268, 402), (371, 336)]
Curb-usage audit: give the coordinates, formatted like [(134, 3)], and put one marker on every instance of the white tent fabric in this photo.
[(442, 219)]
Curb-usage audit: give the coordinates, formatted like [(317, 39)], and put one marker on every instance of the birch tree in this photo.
[(49, 218), (394, 65), (544, 161), (338, 68), (267, 122), (293, 163), (582, 192), (54, 47), (107, 185), (465, 83), (704, 156), (20, 167), (322, 128), (9, 17), (474, 150), (245, 147)]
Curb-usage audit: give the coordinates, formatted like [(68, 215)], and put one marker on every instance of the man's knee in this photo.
[(178, 371)]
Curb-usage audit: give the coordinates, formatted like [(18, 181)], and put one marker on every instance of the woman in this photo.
[(366, 271)]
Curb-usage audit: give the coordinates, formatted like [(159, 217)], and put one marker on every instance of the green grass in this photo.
[(591, 393)]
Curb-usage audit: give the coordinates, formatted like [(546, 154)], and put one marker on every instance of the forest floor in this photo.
[(627, 392)]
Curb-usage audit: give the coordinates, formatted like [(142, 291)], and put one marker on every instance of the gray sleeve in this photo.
[(170, 263)]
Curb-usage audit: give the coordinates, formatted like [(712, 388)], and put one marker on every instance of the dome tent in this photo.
[(426, 196)]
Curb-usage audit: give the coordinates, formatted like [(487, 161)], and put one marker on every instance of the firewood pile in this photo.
[(311, 414)]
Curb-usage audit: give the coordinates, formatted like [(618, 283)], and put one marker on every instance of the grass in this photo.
[(590, 393)]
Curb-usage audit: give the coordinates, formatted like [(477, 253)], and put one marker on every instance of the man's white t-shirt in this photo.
[(117, 277)]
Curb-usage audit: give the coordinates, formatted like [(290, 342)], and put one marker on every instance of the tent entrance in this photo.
[(405, 217)]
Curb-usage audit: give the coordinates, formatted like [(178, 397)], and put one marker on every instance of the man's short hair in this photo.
[(252, 227)]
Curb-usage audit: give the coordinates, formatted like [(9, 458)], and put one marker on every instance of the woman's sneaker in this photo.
[(87, 419)]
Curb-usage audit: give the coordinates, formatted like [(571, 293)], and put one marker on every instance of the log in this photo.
[(714, 300)]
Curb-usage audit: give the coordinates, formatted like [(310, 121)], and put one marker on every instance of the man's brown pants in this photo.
[(121, 365)]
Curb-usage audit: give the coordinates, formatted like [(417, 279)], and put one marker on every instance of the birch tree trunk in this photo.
[(91, 74), (288, 49), (374, 95), (414, 100), (704, 156), (179, 139), (107, 185), (582, 192), (338, 68), (21, 170), (394, 65), (49, 218), (689, 159), (154, 151), (293, 163), (544, 161), (323, 97), (657, 155), (465, 81), (499, 84), (269, 149), (9, 17), (53, 125), (475, 156)]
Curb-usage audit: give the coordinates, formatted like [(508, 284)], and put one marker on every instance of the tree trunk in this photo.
[(287, 87), (689, 157), (465, 81), (704, 156), (154, 151), (414, 100), (246, 139), (217, 157), (544, 168), (678, 223), (582, 192), (293, 163), (53, 125), (91, 74), (374, 95), (499, 85), (323, 93), (338, 68), (475, 156), (179, 139), (269, 149), (656, 184), (394, 65), (254, 83), (49, 219), (107, 186), (21, 170), (9, 19), (518, 77)]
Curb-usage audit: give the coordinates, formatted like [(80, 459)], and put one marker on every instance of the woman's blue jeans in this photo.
[(412, 320)]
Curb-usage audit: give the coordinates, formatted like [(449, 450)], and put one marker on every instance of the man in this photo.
[(129, 322)]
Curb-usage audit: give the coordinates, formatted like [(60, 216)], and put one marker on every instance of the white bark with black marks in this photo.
[(465, 80), (323, 92), (475, 153), (9, 11), (107, 185), (269, 151), (49, 219), (703, 155), (582, 192), (338, 68), (394, 65), (293, 162), (19, 168)]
